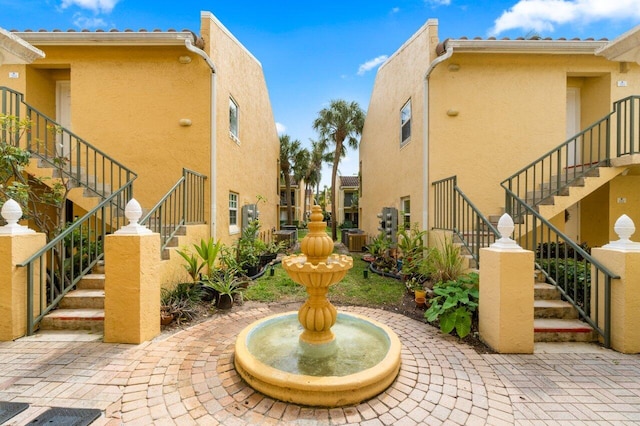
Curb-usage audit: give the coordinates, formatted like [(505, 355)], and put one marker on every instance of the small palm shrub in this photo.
[(180, 301)]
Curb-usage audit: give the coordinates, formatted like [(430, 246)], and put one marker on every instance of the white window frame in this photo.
[(406, 216), (234, 128), (405, 120), (234, 228)]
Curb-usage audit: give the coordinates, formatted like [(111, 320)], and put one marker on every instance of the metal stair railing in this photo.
[(627, 112), (182, 205), (55, 269), (63, 150), (568, 266), (455, 212), (557, 169)]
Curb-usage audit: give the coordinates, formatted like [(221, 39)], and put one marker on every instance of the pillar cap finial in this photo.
[(505, 228), (625, 228), (133, 212), (12, 212)]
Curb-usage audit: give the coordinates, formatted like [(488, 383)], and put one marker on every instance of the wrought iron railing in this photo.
[(55, 269), (568, 266), (627, 112), (56, 147), (454, 211), (553, 172), (182, 205)]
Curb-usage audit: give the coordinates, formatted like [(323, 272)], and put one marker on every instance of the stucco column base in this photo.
[(625, 298), (132, 288), (506, 300), (15, 249)]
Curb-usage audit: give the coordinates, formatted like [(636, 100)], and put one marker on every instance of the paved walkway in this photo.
[(188, 378)]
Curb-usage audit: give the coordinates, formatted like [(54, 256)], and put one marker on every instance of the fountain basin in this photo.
[(284, 378)]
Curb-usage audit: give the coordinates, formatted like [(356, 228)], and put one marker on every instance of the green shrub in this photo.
[(180, 301), (454, 304), (573, 276)]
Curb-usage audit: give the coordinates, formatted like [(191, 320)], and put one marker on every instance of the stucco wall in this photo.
[(390, 172), (247, 167)]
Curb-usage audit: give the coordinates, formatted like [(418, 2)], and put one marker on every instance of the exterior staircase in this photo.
[(82, 308), (556, 320)]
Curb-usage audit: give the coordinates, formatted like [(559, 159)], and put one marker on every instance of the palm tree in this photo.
[(289, 153), (342, 121), (300, 169), (313, 173)]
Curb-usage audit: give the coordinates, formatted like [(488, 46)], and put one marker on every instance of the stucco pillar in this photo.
[(506, 294), (132, 282), (621, 257), (17, 243)]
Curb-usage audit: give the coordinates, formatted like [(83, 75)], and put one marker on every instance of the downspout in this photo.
[(425, 136), (212, 174)]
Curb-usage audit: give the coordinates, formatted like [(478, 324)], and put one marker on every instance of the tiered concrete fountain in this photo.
[(301, 357)]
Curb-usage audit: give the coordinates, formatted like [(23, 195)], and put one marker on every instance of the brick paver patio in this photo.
[(188, 378)]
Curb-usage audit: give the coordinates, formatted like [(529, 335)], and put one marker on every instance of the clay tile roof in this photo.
[(349, 181)]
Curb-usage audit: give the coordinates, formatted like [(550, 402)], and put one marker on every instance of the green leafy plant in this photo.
[(454, 303), (446, 262), (226, 282), (574, 276), (208, 252), (194, 263)]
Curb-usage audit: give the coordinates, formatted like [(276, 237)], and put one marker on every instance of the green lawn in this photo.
[(354, 289)]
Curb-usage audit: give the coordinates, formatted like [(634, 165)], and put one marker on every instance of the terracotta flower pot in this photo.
[(421, 301)]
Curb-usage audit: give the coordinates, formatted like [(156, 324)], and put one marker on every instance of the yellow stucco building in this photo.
[(483, 109), (158, 102)]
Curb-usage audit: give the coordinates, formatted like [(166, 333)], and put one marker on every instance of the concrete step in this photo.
[(544, 291), (83, 299), (554, 309), (74, 319), (562, 330), (91, 282)]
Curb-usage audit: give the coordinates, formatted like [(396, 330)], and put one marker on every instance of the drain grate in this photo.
[(57, 416), (10, 409)]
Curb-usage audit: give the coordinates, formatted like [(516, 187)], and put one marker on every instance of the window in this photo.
[(406, 212), (233, 213), (233, 120), (405, 123), (283, 200), (348, 199)]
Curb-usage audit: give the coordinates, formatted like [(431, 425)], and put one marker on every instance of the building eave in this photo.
[(15, 50), (546, 47), (112, 38), (625, 48)]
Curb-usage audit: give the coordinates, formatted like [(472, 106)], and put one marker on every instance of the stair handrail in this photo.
[(108, 174), (528, 183), (628, 125), (532, 236), (182, 205), (462, 217), (55, 263)]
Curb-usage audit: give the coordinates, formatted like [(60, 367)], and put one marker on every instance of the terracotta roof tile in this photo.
[(349, 181)]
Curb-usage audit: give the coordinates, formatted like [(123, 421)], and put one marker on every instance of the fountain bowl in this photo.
[(324, 391)]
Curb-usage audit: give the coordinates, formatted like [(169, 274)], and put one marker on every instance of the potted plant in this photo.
[(228, 285), (270, 252), (248, 249)]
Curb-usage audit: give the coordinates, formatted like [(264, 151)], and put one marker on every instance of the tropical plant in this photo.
[(454, 304), (208, 252), (379, 245), (249, 246), (313, 174), (446, 262), (42, 199), (290, 154), (574, 276), (341, 121), (194, 263), (180, 301), (227, 282)]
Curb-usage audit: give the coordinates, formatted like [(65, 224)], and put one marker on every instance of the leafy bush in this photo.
[(446, 262), (454, 304), (560, 250), (574, 277)]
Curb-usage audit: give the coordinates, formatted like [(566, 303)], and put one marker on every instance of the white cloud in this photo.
[(369, 65), (82, 21), (97, 6), (438, 2), (281, 128), (395, 10), (544, 15)]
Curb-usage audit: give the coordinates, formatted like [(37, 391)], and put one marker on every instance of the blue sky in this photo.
[(316, 51)]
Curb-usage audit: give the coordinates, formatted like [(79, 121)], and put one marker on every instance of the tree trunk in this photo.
[(304, 202), (334, 175), (287, 198)]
